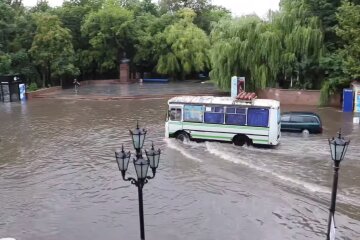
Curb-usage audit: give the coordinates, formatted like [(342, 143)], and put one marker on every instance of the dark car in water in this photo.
[(306, 122)]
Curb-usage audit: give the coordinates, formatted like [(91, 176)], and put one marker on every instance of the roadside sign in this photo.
[(237, 85), (357, 101)]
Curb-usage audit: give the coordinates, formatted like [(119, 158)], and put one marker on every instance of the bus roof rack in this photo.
[(246, 96)]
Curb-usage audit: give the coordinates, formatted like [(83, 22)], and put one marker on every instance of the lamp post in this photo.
[(338, 148), (141, 167)]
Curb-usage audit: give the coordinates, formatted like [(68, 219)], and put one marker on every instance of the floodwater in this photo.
[(59, 179), (141, 89)]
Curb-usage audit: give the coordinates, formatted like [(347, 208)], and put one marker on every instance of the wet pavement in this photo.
[(59, 179)]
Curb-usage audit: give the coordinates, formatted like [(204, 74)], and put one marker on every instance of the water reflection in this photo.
[(59, 179)]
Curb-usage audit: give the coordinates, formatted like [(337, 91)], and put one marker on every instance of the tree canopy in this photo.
[(266, 52), (348, 31), (110, 34), (184, 47), (307, 44), (52, 49)]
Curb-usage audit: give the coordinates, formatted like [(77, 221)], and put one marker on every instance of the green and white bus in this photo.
[(242, 122)]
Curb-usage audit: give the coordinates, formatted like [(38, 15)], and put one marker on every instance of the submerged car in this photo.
[(306, 122)]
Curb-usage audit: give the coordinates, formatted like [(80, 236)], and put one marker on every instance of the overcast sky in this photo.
[(238, 7)]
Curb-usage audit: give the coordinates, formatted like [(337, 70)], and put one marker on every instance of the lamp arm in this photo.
[(153, 174), (132, 180)]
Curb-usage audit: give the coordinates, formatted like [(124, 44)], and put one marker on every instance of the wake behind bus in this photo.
[(241, 122)]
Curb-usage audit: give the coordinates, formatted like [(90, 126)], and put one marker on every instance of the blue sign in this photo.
[(22, 90), (348, 100), (234, 87), (357, 106)]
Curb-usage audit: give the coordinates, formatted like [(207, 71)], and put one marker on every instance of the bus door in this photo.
[(175, 118)]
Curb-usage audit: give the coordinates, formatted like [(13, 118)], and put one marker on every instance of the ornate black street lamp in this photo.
[(338, 148), (141, 167)]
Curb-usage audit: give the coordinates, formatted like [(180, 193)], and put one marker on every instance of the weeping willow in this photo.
[(184, 47), (265, 51)]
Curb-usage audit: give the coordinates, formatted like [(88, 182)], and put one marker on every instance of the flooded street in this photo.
[(59, 179)]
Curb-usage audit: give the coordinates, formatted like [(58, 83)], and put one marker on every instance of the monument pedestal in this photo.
[(124, 73)]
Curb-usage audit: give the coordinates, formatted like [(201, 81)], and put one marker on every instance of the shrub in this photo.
[(32, 87)]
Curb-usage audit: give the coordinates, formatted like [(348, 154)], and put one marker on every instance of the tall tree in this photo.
[(72, 15), (16, 35), (41, 6), (349, 32), (52, 49), (111, 33), (7, 26), (184, 47), (211, 15), (266, 51), (176, 5), (302, 43), (150, 42), (245, 47)]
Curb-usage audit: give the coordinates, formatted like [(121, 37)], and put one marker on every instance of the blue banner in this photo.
[(22, 90)]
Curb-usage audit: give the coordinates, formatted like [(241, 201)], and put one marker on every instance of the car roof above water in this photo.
[(300, 113)]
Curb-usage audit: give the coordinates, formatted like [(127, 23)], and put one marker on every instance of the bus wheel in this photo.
[(183, 137), (240, 140)]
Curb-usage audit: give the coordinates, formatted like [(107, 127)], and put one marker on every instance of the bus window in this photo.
[(235, 116), (258, 117), (175, 114), (193, 113), (214, 115)]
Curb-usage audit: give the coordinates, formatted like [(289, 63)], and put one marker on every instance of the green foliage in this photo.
[(111, 33), (72, 14), (5, 64), (52, 49), (331, 87), (7, 26), (176, 5), (185, 47), (307, 44), (32, 87), (16, 33), (349, 32), (207, 18), (147, 47), (140, 7), (343, 63), (325, 11), (265, 52), (41, 6)]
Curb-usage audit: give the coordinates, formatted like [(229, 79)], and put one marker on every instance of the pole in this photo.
[(333, 197), (138, 153), (141, 210)]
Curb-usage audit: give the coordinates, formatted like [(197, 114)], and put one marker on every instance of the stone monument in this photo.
[(124, 70)]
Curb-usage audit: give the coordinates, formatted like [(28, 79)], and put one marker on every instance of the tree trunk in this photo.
[(50, 81), (43, 78), (297, 78), (183, 76)]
